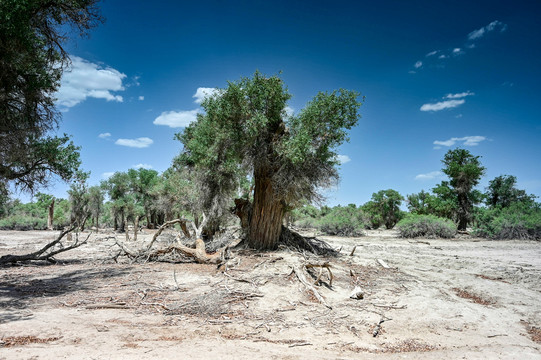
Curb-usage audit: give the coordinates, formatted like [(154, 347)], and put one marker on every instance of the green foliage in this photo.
[(501, 192), (464, 171), (519, 220), (32, 60), (427, 226), (384, 208), (343, 221), (23, 222)]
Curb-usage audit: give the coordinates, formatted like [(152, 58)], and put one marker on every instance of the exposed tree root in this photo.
[(48, 251), (298, 242)]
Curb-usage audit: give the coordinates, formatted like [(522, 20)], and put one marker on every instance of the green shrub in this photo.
[(343, 221), (23, 222), (518, 221), (428, 226)]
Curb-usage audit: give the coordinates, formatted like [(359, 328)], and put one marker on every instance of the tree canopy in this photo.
[(464, 171), (32, 58), (246, 131)]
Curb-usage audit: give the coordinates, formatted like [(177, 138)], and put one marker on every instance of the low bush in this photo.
[(23, 222), (342, 221), (518, 221), (428, 226)]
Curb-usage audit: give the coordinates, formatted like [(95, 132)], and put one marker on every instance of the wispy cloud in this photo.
[(464, 141), (343, 159), (142, 166), (104, 135), (176, 119), (459, 95), (418, 64), (479, 33), (141, 98), (203, 92), (452, 101), (457, 51), (84, 79), (141, 142), (429, 176), (107, 175), (442, 105), (432, 53)]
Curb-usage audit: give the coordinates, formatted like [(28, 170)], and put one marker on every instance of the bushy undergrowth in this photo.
[(22, 222), (344, 221), (517, 221), (428, 226)]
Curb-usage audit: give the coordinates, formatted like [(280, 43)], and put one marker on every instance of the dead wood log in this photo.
[(300, 275), (321, 266), (182, 223), (48, 251)]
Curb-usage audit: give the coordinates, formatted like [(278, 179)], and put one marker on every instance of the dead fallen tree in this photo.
[(48, 252), (198, 252)]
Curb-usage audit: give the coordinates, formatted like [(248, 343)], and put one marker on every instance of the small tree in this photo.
[(464, 171), (384, 208), (246, 130), (501, 192), (95, 204)]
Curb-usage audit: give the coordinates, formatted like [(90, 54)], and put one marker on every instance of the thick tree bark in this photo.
[(463, 211), (50, 216), (266, 218)]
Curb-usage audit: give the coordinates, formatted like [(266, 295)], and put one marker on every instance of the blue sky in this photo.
[(436, 75)]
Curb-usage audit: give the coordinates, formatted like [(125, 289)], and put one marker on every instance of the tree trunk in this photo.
[(266, 218), (135, 227), (50, 216), (463, 211)]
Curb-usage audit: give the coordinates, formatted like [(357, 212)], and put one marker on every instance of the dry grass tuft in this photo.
[(25, 340), (473, 297)]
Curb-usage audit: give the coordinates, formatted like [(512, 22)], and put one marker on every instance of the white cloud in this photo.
[(289, 111), (176, 119), (442, 56), (465, 141), (343, 159), (104, 135), (429, 176), (479, 33), (448, 104), (202, 93), (457, 51), (141, 98), (432, 53), (141, 142), (83, 79), (107, 175), (459, 95), (142, 166), (418, 64)]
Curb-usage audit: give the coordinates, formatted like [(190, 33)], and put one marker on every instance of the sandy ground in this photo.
[(439, 299)]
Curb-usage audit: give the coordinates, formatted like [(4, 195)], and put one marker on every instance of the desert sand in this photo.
[(463, 298)]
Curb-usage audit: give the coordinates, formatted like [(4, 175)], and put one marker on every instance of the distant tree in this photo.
[(385, 207), (501, 192), (245, 130), (32, 33), (419, 203), (142, 181), (464, 171), (118, 190), (95, 204), (79, 200)]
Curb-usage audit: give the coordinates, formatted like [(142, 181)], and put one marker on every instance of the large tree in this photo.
[(464, 171), (502, 192), (32, 58), (246, 131)]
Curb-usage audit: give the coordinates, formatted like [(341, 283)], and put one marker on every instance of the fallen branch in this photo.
[(48, 251), (182, 223), (300, 275), (383, 263), (321, 266)]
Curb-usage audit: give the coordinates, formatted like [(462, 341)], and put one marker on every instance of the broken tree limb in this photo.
[(321, 266), (383, 263), (353, 251), (48, 251), (182, 223), (300, 275)]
